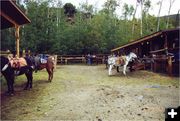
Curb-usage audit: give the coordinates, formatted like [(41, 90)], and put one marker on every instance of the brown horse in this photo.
[(49, 65)]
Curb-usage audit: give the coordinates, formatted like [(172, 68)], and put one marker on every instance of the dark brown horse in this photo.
[(49, 65), (9, 73)]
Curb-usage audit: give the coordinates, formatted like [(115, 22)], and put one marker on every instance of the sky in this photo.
[(153, 10)]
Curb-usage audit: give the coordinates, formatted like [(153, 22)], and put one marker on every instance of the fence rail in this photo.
[(66, 59)]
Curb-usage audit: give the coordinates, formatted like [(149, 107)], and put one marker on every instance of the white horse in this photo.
[(122, 60)]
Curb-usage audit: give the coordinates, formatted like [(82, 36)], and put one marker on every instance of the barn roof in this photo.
[(11, 15), (147, 38)]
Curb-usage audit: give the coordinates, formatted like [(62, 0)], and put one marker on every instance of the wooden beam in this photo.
[(165, 41), (170, 66), (17, 39), (146, 38), (20, 10), (156, 51), (155, 66), (8, 18), (17, 27)]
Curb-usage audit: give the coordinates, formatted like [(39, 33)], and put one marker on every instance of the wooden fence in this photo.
[(4, 53), (69, 59)]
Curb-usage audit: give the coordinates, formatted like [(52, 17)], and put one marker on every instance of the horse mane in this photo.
[(4, 60)]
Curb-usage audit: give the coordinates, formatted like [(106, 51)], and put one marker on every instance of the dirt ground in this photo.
[(80, 92)]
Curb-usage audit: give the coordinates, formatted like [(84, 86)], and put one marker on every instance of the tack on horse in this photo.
[(122, 60), (45, 62), (12, 68)]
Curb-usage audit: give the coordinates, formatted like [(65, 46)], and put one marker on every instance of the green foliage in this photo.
[(7, 42), (51, 32), (69, 10)]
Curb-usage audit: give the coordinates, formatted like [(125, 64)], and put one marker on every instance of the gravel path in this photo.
[(87, 93)]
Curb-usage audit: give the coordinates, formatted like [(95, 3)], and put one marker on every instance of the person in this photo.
[(89, 59)]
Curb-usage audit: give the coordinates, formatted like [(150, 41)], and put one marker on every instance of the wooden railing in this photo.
[(66, 59), (4, 53)]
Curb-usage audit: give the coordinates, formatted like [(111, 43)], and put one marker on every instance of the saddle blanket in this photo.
[(18, 62), (121, 60), (43, 61)]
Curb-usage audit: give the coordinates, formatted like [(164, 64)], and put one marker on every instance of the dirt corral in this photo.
[(87, 93)]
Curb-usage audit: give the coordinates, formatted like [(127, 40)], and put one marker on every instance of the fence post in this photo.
[(61, 60), (103, 59), (170, 66), (155, 66), (82, 59), (55, 65), (65, 61)]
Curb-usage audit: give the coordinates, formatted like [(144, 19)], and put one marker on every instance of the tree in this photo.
[(69, 10), (147, 5), (133, 24), (87, 10), (170, 6), (158, 17), (141, 3), (49, 31), (110, 7), (127, 12)]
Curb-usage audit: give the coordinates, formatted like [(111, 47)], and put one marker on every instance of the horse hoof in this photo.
[(7, 93), (11, 94)]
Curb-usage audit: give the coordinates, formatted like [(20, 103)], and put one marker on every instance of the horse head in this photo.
[(111, 60), (132, 56)]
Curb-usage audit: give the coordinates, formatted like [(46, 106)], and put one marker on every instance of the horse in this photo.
[(122, 60), (9, 72), (48, 64)]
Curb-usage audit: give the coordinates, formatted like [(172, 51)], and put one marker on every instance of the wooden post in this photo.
[(152, 63), (170, 66), (165, 41), (24, 53), (61, 59), (103, 60), (55, 62), (17, 39), (66, 61), (82, 58), (166, 44), (152, 60), (155, 66)]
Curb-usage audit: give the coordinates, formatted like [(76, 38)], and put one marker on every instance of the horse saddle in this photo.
[(43, 58), (43, 61), (121, 60), (18, 62)]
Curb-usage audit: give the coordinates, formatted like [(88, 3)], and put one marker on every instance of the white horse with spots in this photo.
[(122, 60)]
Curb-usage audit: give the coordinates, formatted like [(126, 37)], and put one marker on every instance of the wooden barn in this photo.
[(159, 51)]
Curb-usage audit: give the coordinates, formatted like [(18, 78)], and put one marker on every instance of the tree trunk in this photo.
[(141, 17), (158, 17), (170, 6), (133, 26)]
